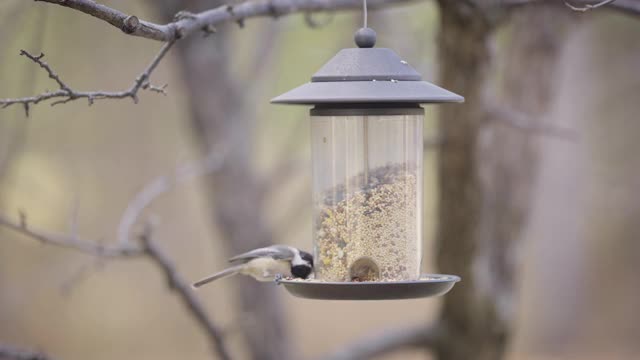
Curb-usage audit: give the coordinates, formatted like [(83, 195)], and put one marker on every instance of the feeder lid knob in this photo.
[(365, 37)]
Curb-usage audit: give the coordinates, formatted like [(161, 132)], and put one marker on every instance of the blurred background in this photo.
[(569, 288)]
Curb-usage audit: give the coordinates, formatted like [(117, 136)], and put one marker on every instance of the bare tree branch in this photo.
[(587, 7), (387, 342), (69, 241), (135, 208), (162, 184), (183, 289), (188, 23), (145, 248), (65, 93), (45, 66), (628, 6), (13, 353), (148, 249)]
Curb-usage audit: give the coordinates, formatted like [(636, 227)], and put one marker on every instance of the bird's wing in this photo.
[(278, 252)]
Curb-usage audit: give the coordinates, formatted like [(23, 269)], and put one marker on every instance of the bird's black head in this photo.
[(303, 270)]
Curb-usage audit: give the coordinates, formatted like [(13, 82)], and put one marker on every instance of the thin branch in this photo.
[(45, 66), (134, 209), (82, 273), (628, 6), (183, 289), (13, 353), (184, 26), (68, 241), (587, 7), (387, 342), (65, 93), (146, 248), (162, 184)]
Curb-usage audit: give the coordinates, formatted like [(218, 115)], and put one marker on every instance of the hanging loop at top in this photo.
[(365, 37)]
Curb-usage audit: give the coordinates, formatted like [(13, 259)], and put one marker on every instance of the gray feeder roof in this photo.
[(367, 75)]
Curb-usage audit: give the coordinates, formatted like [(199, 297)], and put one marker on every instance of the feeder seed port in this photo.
[(364, 269)]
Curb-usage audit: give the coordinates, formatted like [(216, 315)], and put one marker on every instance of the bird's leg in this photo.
[(277, 278)]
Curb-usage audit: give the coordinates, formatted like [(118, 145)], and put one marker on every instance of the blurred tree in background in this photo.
[(530, 187)]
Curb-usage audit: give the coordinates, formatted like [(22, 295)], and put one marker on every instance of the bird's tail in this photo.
[(219, 275)]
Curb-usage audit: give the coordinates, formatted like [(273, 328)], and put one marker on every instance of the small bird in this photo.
[(267, 263)]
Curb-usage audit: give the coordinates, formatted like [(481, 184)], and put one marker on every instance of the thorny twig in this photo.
[(65, 93), (147, 247)]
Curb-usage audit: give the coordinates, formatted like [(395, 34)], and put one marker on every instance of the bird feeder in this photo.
[(367, 149)]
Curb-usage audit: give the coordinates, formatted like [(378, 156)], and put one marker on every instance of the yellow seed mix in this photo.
[(376, 222)]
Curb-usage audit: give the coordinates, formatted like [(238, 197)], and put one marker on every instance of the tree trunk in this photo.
[(222, 121), (487, 169), (237, 198)]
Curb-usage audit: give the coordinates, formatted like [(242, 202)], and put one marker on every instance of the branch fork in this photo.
[(65, 93)]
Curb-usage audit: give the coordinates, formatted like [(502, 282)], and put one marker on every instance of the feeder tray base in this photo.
[(429, 285)]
